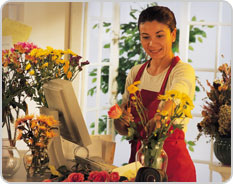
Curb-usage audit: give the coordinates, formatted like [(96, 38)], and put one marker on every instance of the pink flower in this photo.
[(114, 176), (76, 177)]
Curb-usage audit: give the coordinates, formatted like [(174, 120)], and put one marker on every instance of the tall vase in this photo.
[(10, 161), (36, 162), (222, 150), (154, 161)]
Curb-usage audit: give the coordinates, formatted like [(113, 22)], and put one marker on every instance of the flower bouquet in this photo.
[(216, 113), (152, 142), (36, 132), (15, 84)]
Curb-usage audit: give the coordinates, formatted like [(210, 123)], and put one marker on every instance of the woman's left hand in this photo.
[(153, 123)]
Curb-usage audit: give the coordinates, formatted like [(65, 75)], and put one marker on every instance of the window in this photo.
[(211, 49)]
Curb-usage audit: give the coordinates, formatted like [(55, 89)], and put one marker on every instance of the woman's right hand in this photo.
[(122, 124)]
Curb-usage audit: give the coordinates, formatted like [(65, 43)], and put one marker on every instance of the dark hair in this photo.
[(159, 13)]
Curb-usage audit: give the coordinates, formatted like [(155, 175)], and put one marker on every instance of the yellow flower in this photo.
[(54, 58), (28, 66), (69, 74), (32, 72), (136, 83), (187, 101), (174, 94), (33, 52), (61, 61), (132, 89), (164, 113), (68, 51), (133, 98), (45, 65)]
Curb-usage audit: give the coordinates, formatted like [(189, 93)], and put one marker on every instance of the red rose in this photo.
[(101, 176), (76, 177), (114, 176), (47, 180), (92, 175), (115, 112)]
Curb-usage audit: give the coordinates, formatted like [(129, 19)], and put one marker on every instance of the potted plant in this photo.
[(216, 113)]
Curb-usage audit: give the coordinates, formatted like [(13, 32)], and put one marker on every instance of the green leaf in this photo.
[(191, 143), (106, 24), (106, 46), (94, 80), (190, 61), (194, 18), (191, 148), (95, 26), (210, 26), (200, 39), (92, 125), (197, 89), (107, 30), (191, 48)]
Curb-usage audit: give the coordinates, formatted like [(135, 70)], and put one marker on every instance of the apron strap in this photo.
[(175, 60), (139, 74)]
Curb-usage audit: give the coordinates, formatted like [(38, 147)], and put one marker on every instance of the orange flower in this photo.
[(19, 136), (40, 144), (69, 74), (115, 112)]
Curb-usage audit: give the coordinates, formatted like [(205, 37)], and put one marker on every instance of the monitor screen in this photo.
[(60, 96)]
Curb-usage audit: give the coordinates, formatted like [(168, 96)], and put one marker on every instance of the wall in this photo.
[(55, 24)]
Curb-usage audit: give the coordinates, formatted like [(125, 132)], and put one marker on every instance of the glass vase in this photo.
[(36, 162), (153, 156), (10, 161)]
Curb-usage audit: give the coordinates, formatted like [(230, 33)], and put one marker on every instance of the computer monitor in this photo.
[(60, 96)]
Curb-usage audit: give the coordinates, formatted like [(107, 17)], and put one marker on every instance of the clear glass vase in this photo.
[(36, 162), (10, 161), (153, 156)]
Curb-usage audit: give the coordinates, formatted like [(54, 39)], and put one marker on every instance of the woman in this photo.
[(163, 72)]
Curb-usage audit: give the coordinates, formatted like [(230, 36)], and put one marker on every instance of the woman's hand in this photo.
[(122, 124), (153, 123)]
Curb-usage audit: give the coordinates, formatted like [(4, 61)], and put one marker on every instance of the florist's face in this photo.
[(156, 39)]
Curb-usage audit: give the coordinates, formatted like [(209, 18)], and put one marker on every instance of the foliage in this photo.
[(216, 111)]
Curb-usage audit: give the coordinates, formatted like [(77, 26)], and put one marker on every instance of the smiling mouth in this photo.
[(155, 51)]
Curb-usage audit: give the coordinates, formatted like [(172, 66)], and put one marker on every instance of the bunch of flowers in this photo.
[(163, 128), (25, 68), (36, 132), (47, 64), (93, 176), (15, 83), (216, 111)]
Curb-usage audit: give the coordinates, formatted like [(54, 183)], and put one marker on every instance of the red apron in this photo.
[(180, 166)]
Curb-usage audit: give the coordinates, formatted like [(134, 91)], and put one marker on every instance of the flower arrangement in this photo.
[(216, 111), (36, 132), (25, 68), (47, 64), (164, 127), (15, 84)]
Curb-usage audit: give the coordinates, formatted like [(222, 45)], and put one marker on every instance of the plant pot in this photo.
[(222, 150)]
